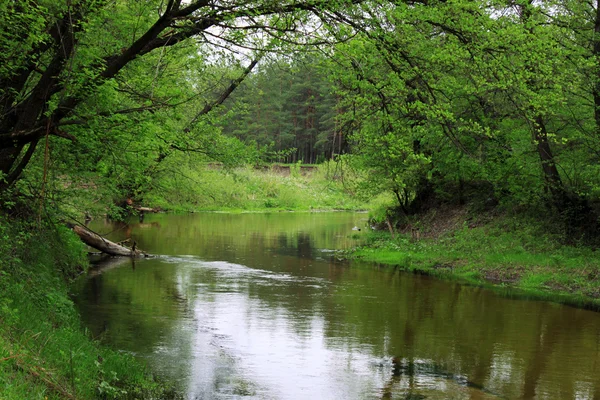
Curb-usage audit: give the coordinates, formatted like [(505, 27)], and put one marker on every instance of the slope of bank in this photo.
[(491, 249), (44, 351)]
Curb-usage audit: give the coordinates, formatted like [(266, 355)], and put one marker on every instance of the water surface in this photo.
[(256, 306)]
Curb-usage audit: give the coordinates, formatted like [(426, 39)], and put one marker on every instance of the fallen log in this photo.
[(146, 209), (104, 245)]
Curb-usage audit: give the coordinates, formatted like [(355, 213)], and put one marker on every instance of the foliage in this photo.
[(98, 94), (438, 96), (287, 107)]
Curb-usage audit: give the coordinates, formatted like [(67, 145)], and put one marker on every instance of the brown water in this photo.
[(256, 306)]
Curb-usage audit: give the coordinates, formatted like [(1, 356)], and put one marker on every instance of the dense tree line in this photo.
[(496, 98), (288, 108), (433, 99)]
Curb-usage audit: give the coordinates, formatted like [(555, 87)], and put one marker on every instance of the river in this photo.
[(257, 306)]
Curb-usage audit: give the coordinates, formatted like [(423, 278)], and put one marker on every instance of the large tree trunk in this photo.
[(596, 54), (106, 246), (551, 175)]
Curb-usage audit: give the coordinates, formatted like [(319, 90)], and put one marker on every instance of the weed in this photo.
[(253, 190)]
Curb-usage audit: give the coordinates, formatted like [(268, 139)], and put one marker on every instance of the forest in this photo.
[(448, 99), (401, 106)]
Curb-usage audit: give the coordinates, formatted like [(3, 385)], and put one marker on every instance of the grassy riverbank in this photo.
[(44, 351), (491, 249), (272, 188)]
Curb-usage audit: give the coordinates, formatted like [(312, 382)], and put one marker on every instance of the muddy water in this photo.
[(255, 306)]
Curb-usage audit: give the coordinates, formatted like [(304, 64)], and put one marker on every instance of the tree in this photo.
[(287, 106), (480, 92), (61, 55)]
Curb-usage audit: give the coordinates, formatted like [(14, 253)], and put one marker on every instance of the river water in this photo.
[(256, 306)]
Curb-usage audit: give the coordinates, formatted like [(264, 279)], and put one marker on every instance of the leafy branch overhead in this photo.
[(76, 47), (429, 98)]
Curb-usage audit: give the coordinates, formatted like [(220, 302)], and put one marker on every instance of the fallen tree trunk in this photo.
[(146, 209), (106, 246)]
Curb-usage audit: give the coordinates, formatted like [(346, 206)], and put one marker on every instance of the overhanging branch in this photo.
[(226, 93)]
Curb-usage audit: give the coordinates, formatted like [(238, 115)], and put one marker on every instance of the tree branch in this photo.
[(16, 172), (234, 84)]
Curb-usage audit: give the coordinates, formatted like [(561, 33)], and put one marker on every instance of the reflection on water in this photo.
[(253, 306)]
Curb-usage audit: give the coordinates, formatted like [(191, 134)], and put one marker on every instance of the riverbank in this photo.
[(331, 186), (320, 187), (45, 353), (491, 249)]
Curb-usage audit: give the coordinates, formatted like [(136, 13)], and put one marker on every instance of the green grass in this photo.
[(249, 189), (504, 252), (44, 351)]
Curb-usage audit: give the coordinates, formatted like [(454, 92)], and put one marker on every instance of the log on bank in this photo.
[(104, 245)]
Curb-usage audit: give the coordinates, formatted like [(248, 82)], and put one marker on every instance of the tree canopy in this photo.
[(500, 97)]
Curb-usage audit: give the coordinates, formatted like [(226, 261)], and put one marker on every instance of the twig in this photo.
[(9, 358)]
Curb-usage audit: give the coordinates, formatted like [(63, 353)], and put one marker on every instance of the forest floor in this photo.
[(492, 249)]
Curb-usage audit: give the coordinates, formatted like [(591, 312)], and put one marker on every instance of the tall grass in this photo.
[(253, 189)]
